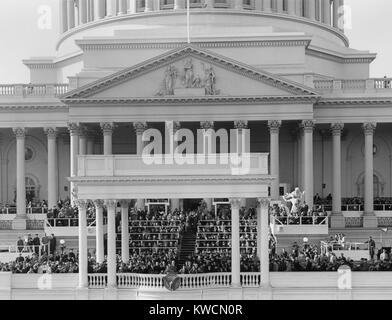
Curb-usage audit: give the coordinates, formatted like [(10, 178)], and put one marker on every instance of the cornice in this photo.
[(368, 101), (173, 100), (340, 58), (173, 179), (23, 108), (178, 54), (137, 44)]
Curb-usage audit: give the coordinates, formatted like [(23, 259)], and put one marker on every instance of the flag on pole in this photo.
[(188, 22)]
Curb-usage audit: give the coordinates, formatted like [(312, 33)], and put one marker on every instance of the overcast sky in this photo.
[(21, 35)]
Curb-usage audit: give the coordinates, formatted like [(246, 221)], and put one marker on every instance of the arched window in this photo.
[(378, 187)]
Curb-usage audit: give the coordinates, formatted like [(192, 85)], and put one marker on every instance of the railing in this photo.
[(313, 220), (250, 279), (33, 210), (26, 90), (97, 280), (130, 280), (353, 84), (67, 222)]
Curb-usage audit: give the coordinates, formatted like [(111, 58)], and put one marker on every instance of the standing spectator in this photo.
[(36, 243), (52, 244), (20, 244), (372, 247), (45, 242)]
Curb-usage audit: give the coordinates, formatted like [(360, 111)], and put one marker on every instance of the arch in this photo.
[(32, 185), (378, 184)]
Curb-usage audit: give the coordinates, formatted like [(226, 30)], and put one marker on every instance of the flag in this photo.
[(384, 229)]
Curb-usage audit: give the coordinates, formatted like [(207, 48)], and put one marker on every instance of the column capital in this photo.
[(107, 127), (308, 125), (111, 204), (369, 128), (74, 128), (83, 131), (235, 203), (241, 124), (140, 127), (82, 204), (207, 125), (263, 203), (99, 204), (173, 125), (337, 128), (20, 132), (124, 203), (51, 132), (274, 126)]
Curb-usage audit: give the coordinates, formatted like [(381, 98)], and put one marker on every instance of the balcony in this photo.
[(10, 91), (339, 86)]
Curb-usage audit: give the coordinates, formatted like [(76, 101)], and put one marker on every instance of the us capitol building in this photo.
[(283, 69)]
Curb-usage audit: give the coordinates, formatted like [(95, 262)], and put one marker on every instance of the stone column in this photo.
[(238, 4), (279, 6), (123, 7), (74, 130), (139, 127), (206, 125), (63, 16), (107, 129), (19, 222), (83, 141), (335, 17), (326, 11), (82, 11), (111, 243), (71, 14), (175, 202), (308, 127), (241, 145), (99, 242), (99, 9), (263, 240), (274, 127), (337, 219), (52, 177), (369, 220), (310, 9), (179, 4), (235, 243), (267, 6), (90, 142), (124, 231), (132, 6), (83, 250), (111, 8), (291, 7), (149, 6)]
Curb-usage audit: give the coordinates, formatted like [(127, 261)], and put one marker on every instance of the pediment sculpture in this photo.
[(188, 79)]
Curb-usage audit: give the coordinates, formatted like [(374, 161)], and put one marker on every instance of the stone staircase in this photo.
[(186, 247)]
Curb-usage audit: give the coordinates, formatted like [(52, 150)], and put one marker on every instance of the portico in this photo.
[(112, 179)]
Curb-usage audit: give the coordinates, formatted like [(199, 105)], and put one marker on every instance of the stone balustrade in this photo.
[(33, 90), (353, 85)]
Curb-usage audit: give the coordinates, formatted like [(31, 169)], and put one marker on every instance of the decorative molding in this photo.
[(187, 51), (337, 128), (107, 127), (235, 203), (124, 203), (74, 128), (20, 132), (240, 124), (338, 58), (274, 126), (111, 204), (99, 204), (263, 203), (369, 128), (206, 125), (23, 108), (140, 127), (82, 204), (51, 132), (308, 125), (370, 101), (173, 100)]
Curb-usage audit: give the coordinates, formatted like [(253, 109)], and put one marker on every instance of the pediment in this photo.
[(188, 72)]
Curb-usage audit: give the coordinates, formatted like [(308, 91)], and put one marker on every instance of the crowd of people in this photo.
[(36, 245)]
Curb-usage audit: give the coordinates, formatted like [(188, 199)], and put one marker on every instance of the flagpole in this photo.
[(187, 22)]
